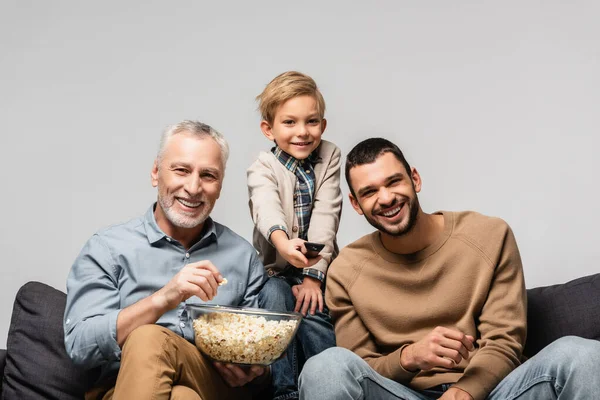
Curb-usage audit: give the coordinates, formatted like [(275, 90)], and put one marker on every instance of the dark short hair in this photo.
[(367, 151)]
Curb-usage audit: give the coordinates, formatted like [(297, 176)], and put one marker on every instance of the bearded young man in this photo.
[(127, 290), (433, 305)]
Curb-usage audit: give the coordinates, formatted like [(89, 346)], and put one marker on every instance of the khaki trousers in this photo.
[(156, 363)]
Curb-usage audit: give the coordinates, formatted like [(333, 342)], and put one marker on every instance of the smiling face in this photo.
[(297, 127), (386, 194), (189, 176)]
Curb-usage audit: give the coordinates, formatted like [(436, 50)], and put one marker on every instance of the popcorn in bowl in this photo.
[(242, 335)]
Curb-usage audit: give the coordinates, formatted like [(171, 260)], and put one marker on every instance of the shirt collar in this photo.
[(154, 233), (290, 162)]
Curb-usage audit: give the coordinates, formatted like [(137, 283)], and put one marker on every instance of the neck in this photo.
[(425, 232), (186, 236)]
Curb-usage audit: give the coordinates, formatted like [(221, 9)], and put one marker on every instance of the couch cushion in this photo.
[(37, 364), (554, 311)]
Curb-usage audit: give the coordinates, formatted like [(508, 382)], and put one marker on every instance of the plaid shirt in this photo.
[(303, 196)]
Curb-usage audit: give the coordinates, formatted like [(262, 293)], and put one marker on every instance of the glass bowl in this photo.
[(238, 335)]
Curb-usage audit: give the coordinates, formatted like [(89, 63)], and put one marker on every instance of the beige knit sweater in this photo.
[(271, 188), (470, 279)]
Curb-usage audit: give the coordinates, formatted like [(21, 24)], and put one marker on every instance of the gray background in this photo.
[(495, 103)]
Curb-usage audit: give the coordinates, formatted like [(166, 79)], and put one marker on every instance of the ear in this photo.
[(416, 178), (154, 174), (323, 125), (355, 204), (267, 130)]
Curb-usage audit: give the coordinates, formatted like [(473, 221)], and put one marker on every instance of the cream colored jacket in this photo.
[(271, 189)]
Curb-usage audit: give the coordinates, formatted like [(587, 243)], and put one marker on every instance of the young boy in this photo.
[(295, 197)]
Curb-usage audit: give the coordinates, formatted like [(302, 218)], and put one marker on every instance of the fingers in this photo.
[(205, 276), (455, 355), (236, 376), (316, 301), (313, 261), (472, 340), (320, 301), (455, 345), (454, 349), (306, 300), (306, 303), (299, 301), (465, 340), (207, 265), (298, 260), (302, 302), (206, 285), (442, 347)]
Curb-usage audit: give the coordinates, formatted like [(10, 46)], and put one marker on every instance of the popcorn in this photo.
[(242, 339)]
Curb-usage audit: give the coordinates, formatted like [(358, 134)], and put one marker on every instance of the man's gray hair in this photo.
[(195, 128)]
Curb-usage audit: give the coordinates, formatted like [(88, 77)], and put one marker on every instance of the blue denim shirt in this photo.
[(125, 263)]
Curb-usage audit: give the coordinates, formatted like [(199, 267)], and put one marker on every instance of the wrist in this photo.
[(279, 238), (159, 302), (312, 281), (407, 360), (458, 394)]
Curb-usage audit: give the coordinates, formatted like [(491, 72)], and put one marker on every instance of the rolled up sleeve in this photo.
[(93, 304)]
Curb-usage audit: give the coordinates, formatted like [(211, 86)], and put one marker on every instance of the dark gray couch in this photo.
[(36, 366)]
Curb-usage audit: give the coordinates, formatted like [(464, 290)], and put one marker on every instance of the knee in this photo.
[(179, 392), (335, 363), (577, 352), (276, 295), (145, 339)]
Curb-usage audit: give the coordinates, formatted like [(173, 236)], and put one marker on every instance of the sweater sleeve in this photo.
[(326, 211), (265, 204), (502, 325), (351, 332)]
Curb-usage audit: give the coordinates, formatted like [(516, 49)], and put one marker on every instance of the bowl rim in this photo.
[(244, 310)]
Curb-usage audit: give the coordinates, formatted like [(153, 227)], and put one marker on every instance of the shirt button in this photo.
[(187, 255), (307, 171), (182, 324), (295, 229), (168, 239)]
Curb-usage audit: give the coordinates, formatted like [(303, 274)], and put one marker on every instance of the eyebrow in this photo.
[(176, 164), (313, 115), (390, 178)]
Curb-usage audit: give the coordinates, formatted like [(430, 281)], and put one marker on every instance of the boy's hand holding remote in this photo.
[(292, 250)]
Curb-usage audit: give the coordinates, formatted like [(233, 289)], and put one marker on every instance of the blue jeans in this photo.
[(567, 369), (314, 335)]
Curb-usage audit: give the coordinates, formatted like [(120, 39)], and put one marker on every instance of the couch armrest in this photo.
[(571, 308), (2, 365)]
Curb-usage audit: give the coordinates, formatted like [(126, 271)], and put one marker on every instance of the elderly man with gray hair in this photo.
[(127, 290)]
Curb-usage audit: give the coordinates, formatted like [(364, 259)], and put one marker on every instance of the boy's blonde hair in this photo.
[(284, 87)]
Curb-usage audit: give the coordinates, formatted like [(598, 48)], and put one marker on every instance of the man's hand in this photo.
[(442, 347), (308, 293), (456, 394), (196, 279), (236, 376)]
